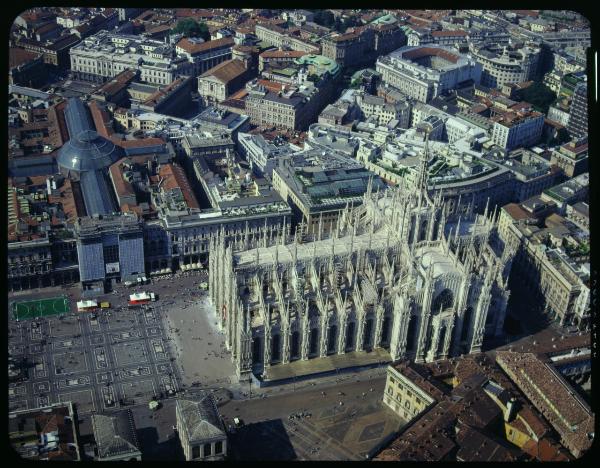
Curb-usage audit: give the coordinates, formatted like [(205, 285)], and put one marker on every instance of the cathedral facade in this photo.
[(395, 273)]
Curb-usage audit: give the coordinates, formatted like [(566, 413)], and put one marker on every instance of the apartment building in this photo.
[(516, 129), (424, 73), (104, 55), (279, 37), (578, 113), (572, 157), (205, 55), (555, 281), (363, 44), (408, 393), (505, 63), (295, 108), (218, 83)]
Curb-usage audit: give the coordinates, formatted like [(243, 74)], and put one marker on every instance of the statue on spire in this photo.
[(422, 174)]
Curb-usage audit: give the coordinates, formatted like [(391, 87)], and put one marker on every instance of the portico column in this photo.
[(305, 337), (378, 326), (324, 336), (420, 355), (343, 331), (448, 338), (431, 354), (285, 354), (267, 352)]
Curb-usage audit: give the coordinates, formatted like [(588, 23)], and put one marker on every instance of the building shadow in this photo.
[(152, 449), (266, 440)]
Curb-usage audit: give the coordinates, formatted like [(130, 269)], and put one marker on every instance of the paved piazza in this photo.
[(104, 363), (120, 357), (328, 430)]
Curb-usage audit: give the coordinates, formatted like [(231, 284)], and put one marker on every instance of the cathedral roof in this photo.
[(434, 257)]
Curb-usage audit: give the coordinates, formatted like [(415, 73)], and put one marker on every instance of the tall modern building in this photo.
[(578, 120)]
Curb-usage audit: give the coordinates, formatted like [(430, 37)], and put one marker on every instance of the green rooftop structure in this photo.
[(319, 64), (385, 19)]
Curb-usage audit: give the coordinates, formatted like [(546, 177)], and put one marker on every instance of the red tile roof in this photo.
[(174, 177), (101, 119), (192, 48), (18, 56), (428, 51), (283, 54), (226, 71), (457, 32), (122, 186), (139, 143), (515, 211)]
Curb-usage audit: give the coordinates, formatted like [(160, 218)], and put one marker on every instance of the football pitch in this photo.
[(40, 308)]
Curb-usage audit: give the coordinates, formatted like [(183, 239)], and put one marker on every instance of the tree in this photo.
[(191, 28), (562, 136), (539, 95), (338, 25), (324, 18)]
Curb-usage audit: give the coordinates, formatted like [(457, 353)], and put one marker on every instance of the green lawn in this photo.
[(40, 308)]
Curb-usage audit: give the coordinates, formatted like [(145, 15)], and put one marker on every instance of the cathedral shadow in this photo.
[(152, 449), (266, 440)]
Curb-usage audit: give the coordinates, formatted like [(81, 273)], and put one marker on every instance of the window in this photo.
[(196, 451), (219, 447), (207, 450)]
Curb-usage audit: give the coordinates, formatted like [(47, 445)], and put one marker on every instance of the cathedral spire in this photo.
[(422, 175)]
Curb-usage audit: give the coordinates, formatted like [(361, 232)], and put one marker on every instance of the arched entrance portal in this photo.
[(350, 336), (295, 346), (256, 350), (314, 337), (368, 334), (411, 339), (275, 354), (331, 339)]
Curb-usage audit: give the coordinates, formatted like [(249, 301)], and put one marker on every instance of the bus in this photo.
[(141, 298), (86, 306)]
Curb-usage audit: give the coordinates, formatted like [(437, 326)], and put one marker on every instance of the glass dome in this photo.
[(88, 151)]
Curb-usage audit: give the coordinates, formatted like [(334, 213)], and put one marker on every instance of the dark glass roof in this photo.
[(78, 117), (96, 193), (86, 150)]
